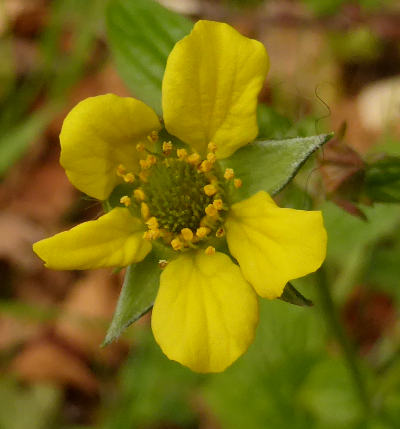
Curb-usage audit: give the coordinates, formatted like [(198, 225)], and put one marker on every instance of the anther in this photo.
[(212, 147), (176, 244), (202, 231), (193, 158), (211, 211), (181, 153), (206, 166), (144, 210), (167, 148), (237, 183), (210, 190), (121, 170), (187, 234), (139, 194), (152, 223), (162, 263), (229, 174), (220, 232), (153, 137), (210, 250), (211, 157), (218, 204), (140, 147), (129, 177), (125, 200)]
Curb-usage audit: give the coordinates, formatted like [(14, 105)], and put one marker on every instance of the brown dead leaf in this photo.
[(87, 311), (47, 361)]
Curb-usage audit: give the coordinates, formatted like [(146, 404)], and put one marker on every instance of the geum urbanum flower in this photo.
[(206, 310)]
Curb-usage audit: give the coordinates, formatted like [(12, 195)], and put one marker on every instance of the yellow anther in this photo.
[(187, 234), (144, 163), (125, 200), (211, 211), (139, 194), (129, 177), (151, 159), (193, 158), (153, 137), (121, 170), (176, 244), (212, 147), (202, 231), (162, 263), (140, 147), (210, 250), (206, 166), (211, 157), (229, 174), (167, 148), (218, 204), (237, 183), (151, 234), (152, 223), (181, 153), (210, 190), (145, 211), (220, 232)]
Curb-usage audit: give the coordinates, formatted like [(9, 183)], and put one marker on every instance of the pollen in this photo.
[(202, 231), (229, 174), (210, 190), (167, 148), (237, 183), (144, 210), (218, 204), (187, 234), (125, 200), (211, 211), (176, 244), (210, 250), (139, 194), (129, 177), (181, 153), (212, 147)]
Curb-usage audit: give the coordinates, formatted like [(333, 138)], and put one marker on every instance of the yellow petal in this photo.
[(210, 88), (100, 133), (113, 240), (274, 245), (205, 313)]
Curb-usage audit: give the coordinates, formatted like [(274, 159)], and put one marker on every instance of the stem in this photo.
[(335, 326)]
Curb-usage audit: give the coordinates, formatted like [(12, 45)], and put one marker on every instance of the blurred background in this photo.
[(335, 65)]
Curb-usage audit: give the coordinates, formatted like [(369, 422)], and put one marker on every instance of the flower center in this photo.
[(182, 198)]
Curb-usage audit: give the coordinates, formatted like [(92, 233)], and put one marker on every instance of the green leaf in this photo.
[(268, 165), (142, 34), (271, 124), (293, 296), (137, 295)]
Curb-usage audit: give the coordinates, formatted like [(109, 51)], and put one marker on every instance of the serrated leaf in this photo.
[(142, 34), (137, 295), (268, 165), (293, 296)]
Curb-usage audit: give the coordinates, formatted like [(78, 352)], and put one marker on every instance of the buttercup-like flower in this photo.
[(206, 310)]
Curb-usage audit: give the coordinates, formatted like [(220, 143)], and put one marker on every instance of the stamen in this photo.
[(181, 153), (129, 177), (220, 232), (218, 204), (144, 210), (212, 147), (167, 148), (187, 234), (121, 170), (211, 211), (206, 166), (153, 137), (202, 231), (139, 194), (140, 147), (210, 250), (162, 263), (176, 244), (210, 190), (229, 174), (237, 183), (193, 158), (125, 200), (211, 157), (152, 223)]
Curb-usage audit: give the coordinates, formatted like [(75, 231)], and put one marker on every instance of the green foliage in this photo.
[(382, 180), (142, 34), (269, 165)]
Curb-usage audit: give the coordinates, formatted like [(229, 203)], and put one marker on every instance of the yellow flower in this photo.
[(206, 310)]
